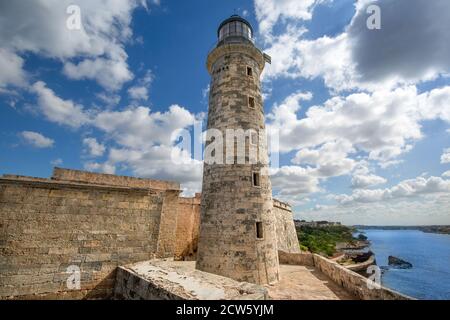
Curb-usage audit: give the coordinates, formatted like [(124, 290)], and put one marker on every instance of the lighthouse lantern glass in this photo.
[(235, 29)]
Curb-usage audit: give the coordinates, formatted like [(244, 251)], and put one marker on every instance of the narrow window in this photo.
[(249, 71), (251, 102), (259, 230), (256, 179)]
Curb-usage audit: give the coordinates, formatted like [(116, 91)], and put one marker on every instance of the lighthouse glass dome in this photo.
[(235, 29)]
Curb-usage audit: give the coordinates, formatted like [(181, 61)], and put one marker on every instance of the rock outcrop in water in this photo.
[(399, 263)]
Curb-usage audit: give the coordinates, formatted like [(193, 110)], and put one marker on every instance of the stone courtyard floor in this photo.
[(145, 279), (305, 283)]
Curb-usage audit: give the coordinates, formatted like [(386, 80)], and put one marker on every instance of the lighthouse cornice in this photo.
[(242, 48)]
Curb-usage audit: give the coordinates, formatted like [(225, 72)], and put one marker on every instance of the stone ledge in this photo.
[(43, 183), (174, 280), (352, 282)]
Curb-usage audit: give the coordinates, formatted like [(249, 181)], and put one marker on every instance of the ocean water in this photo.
[(429, 254)]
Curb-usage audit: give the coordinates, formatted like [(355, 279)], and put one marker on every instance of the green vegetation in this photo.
[(323, 240)]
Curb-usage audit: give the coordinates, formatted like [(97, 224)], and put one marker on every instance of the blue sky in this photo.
[(364, 114)]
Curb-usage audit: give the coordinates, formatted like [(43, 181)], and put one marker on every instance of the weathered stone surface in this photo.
[(351, 282), (287, 238), (169, 280), (49, 225), (232, 207)]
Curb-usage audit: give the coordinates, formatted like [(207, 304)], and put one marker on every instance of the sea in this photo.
[(429, 253)]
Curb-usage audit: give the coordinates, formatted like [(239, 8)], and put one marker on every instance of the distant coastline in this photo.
[(440, 229)]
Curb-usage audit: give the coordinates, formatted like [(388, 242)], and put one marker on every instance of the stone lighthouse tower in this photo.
[(237, 229)]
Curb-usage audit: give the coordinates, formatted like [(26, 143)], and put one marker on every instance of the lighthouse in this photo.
[(237, 226)]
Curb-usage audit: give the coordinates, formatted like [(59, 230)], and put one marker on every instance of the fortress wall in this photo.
[(168, 223), (112, 180), (188, 222), (46, 226), (352, 282), (286, 234)]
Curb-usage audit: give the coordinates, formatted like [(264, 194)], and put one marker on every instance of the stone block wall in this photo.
[(352, 282), (112, 180), (286, 234), (46, 226), (188, 222)]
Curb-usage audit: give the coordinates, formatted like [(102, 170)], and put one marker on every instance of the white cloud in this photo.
[(383, 124), (93, 148), (364, 181), (359, 57), (140, 91), (269, 12), (331, 159), (138, 127), (11, 69), (145, 146), (94, 52), (157, 162), (446, 174), (398, 52), (37, 140), (294, 183), (405, 189), (55, 109), (109, 73), (411, 211), (100, 167), (445, 158)]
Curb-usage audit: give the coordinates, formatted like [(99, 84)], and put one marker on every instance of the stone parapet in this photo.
[(112, 180)]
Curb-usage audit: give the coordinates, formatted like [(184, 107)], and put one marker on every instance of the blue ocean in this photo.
[(429, 254)]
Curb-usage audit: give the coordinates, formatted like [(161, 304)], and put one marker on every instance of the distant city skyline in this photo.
[(363, 113)]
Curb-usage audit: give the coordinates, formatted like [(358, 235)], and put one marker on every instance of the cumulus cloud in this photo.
[(362, 58), (383, 124), (37, 140), (405, 189), (330, 159), (446, 174), (413, 43), (138, 127), (445, 158), (144, 144), (12, 69), (93, 147), (55, 109), (140, 90), (96, 51), (364, 181), (109, 73), (411, 211), (268, 12), (157, 162), (294, 183), (100, 167)]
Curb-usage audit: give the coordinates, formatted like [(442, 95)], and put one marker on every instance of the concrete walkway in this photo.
[(306, 283)]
